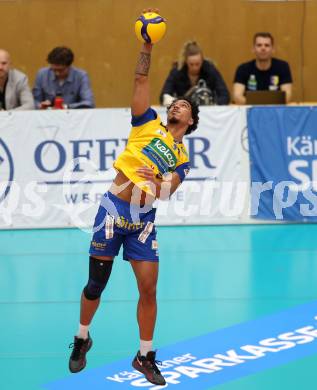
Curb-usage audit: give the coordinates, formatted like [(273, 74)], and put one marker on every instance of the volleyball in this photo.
[(150, 27)]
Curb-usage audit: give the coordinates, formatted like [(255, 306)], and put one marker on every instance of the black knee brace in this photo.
[(99, 272)]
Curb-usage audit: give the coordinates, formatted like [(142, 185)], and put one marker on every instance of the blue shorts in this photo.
[(120, 223)]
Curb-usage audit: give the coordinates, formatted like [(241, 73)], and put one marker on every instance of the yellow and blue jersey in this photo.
[(151, 144)]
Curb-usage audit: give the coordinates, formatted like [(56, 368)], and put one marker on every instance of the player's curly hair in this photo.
[(195, 112)]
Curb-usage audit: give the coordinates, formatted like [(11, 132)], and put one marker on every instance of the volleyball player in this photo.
[(153, 165)]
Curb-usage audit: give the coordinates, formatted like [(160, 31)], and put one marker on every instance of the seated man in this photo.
[(62, 79), (264, 72), (15, 93), (196, 78)]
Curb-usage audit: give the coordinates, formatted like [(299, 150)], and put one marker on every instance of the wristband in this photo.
[(182, 171)]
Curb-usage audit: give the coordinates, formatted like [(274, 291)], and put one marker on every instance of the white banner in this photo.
[(56, 165)]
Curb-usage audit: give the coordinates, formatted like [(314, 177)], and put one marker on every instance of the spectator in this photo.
[(15, 93), (194, 76), (62, 79), (264, 72)]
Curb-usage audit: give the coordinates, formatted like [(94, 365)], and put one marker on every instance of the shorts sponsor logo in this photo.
[(98, 245), (154, 245), (146, 232), (124, 223)]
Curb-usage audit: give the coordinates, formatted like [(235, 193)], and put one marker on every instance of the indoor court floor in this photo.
[(222, 291)]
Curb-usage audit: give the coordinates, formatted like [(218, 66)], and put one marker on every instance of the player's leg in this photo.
[(141, 249), (105, 245), (99, 272), (146, 273), (100, 268)]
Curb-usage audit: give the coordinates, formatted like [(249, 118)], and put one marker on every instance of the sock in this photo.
[(145, 347), (83, 331)]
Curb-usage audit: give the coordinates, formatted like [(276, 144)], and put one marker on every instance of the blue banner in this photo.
[(283, 160), (215, 358)]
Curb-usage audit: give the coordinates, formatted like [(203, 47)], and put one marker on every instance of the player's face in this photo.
[(4, 64), (263, 48), (61, 71), (180, 112), (194, 64)]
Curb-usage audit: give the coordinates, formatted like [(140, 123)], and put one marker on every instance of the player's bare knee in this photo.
[(147, 290)]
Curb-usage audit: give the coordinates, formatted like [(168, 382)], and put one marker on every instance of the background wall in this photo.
[(101, 34)]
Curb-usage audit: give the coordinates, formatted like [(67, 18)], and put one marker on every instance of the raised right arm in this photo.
[(141, 89)]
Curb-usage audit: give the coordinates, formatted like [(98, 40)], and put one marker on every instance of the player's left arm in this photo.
[(288, 91), (166, 186)]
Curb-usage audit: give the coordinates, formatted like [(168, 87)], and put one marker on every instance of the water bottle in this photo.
[(58, 102), (252, 84)]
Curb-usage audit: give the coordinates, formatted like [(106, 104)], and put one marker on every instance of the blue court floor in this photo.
[(211, 278)]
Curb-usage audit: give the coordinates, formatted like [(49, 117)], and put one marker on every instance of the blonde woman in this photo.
[(188, 73)]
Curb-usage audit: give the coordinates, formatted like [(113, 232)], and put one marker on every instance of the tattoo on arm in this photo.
[(143, 65)]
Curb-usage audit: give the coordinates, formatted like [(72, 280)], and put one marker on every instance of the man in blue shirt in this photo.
[(62, 79)]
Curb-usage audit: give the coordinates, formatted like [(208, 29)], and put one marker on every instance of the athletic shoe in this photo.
[(77, 360), (147, 365)]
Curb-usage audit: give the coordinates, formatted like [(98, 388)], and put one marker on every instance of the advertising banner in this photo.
[(56, 165), (220, 357), (283, 149)]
